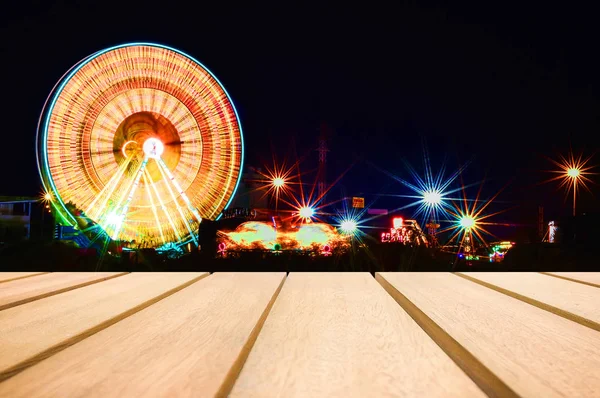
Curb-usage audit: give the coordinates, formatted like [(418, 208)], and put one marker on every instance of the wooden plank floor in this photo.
[(304, 335), (340, 334), (21, 291), (34, 331), (575, 301), (196, 334), (536, 353)]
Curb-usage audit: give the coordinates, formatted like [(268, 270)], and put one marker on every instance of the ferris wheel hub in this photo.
[(153, 148)]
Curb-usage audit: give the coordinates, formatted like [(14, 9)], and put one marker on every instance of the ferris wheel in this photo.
[(141, 140)]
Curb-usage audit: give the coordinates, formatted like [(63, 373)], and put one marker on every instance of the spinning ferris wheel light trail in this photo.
[(159, 145)]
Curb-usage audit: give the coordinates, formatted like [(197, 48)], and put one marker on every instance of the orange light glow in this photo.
[(278, 182), (573, 172), (261, 235)]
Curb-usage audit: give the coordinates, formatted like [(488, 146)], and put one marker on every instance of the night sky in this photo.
[(501, 85)]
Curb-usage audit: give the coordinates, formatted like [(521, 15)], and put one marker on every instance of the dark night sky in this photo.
[(499, 84)]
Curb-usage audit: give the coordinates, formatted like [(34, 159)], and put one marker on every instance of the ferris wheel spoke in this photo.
[(136, 181), (162, 204), (109, 188), (165, 172), (148, 190), (192, 209)]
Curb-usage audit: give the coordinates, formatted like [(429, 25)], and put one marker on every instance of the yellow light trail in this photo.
[(114, 181), (162, 204), (125, 146), (136, 183), (148, 190), (185, 222), (102, 220), (181, 192)]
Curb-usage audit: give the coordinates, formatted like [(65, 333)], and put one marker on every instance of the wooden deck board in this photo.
[(34, 331), (535, 352), (589, 278), (11, 276), (25, 290), (184, 345), (574, 301), (342, 335)]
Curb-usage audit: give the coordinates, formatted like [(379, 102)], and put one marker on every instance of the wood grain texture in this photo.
[(535, 352), (36, 330), (12, 276), (185, 345), (574, 301), (587, 278), (25, 290), (342, 335)]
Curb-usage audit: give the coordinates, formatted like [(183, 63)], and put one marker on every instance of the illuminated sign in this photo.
[(358, 203)]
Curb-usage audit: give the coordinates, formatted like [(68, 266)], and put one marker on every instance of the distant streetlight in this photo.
[(573, 173), (467, 222), (278, 182), (306, 212), (349, 226), (432, 198)]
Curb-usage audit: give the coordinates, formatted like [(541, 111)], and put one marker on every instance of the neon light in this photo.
[(125, 146), (397, 222)]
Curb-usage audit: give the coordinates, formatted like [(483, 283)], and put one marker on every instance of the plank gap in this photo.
[(21, 277), (237, 366), (546, 307), (483, 377), (570, 279), (58, 291)]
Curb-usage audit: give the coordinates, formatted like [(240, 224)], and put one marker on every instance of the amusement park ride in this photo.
[(407, 232), (137, 144)]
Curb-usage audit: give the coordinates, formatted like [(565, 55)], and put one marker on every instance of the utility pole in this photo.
[(322, 149), (574, 196)]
